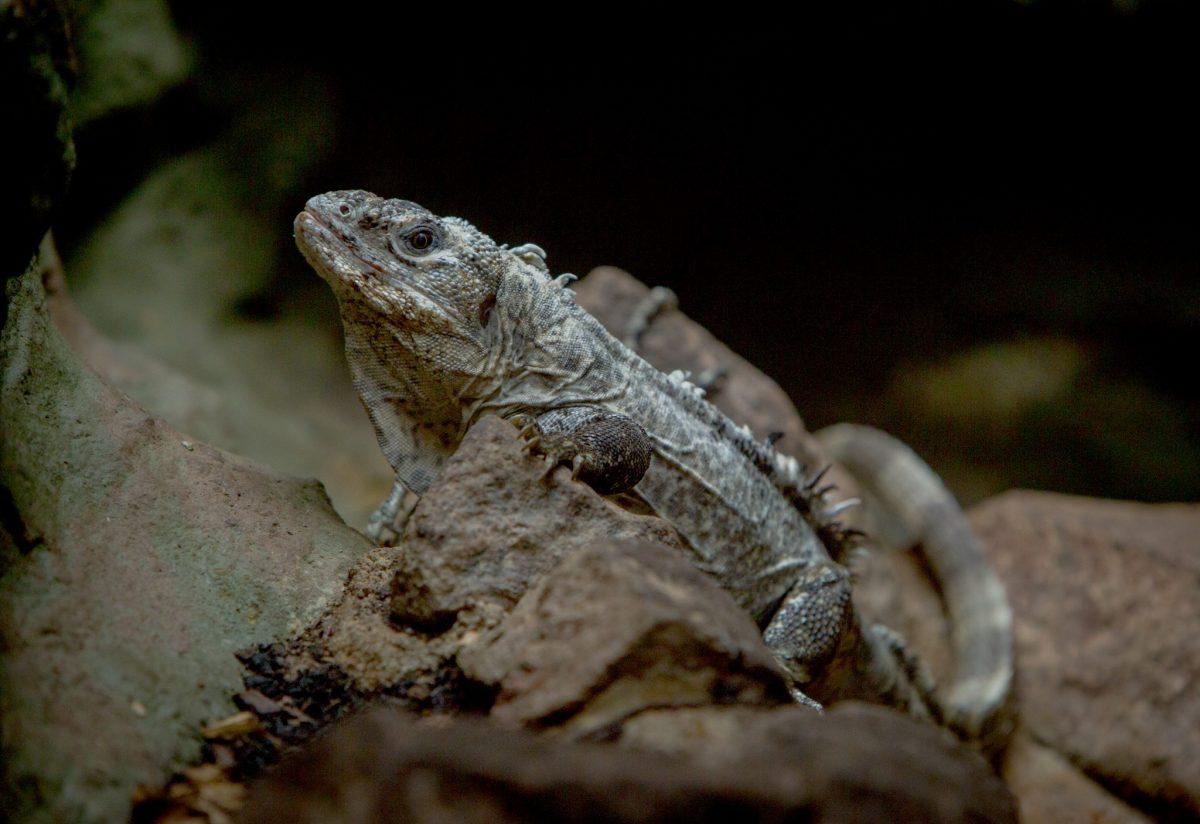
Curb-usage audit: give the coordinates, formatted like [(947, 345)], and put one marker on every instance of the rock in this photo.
[(970, 412), (1050, 790), (357, 640), (1106, 596), (919, 766), (478, 539), (490, 526), (1105, 602), (894, 588), (865, 764), (129, 53), (616, 628), (167, 276), (134, 562)]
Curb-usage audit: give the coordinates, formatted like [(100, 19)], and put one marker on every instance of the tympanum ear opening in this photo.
[(485, 309)]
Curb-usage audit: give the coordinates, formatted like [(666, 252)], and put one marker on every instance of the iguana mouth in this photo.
[(332, 254)]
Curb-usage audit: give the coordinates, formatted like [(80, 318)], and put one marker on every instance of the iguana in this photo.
[(443, 325)]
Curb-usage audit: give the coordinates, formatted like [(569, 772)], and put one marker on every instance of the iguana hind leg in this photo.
[(606, 450), (807, 628), (818, 636)]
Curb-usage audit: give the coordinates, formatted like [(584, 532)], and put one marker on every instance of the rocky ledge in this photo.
[(176, 620)]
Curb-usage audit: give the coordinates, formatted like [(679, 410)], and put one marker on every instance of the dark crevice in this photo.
[(22, 537), (1175, 804), (1171, 804)]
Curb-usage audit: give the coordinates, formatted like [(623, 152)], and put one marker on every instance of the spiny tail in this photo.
[(980, 617)]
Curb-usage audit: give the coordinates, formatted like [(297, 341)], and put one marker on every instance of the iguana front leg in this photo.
[(606, 450), (817, 634)]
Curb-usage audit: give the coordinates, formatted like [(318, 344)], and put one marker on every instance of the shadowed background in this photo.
[(976, 229)]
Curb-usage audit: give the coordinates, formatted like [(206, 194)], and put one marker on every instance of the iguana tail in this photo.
[(906, 491)]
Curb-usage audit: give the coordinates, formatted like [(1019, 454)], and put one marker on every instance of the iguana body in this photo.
[(443, 326)]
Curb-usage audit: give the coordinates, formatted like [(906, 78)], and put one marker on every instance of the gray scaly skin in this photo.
[(442, 326)]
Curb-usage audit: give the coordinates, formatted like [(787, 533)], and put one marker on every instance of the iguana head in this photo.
[(417, 294), (421, 272)]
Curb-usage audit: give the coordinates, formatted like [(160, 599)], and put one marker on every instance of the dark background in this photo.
[(839, 200)]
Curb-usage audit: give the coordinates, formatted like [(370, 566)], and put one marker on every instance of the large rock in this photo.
[(129, 54), (1106, 596), (486, 530), (867, 764), (1049, 789), (970, 412), (490, 526), (853, 752), (616, 628), (135, 562), (183, 275)]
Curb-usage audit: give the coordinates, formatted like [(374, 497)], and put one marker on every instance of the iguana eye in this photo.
[(421, 240), (416, 240)]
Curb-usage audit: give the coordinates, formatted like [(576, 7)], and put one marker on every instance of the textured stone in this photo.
[(853, 748), (135, 561), (970, 412), (616, 628), (490, 526), (1050, 790), (1106, 596), (167, 276), (860, 764), (129, 54)]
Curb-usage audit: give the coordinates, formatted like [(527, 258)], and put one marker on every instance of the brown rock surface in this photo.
[(1050, 790), (857, 764), (616, 628), (490, 526), (484, 532), (1106, 596), (134, 562), (1106, 601)]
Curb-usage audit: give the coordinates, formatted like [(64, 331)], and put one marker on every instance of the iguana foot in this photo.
[(386, 523), (807, 628), (913, 668), (818, 635), (606, 450), (800, 697)]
